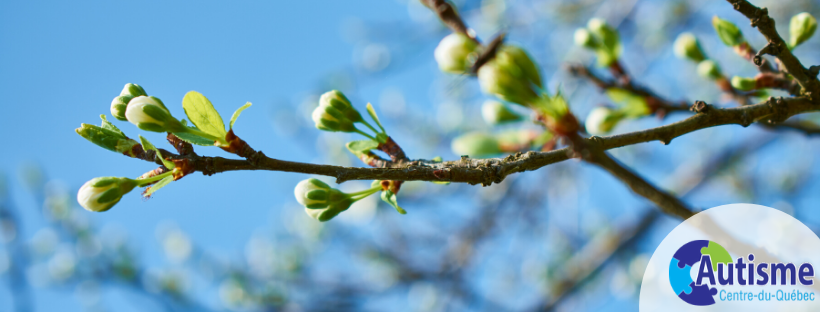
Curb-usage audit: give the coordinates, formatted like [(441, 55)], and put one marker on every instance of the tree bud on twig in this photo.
[(495, 112), (728, 32), (149, 114), (688, 47), (709, 69), (743, 83), (100, 194), (455, 53), (511, 76), (801, 28)]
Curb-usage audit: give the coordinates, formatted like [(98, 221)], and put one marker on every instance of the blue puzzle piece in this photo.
[(689, 254), (701, 295), (679, 278)]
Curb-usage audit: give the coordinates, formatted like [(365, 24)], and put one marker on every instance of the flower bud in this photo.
[(601, 120), (609, 49), (100, 194), (148, 113), (132, 90), (312, 193), (456, 53), (728, 32), (105, 138), (801, 28), (118, 106), (688, 47), (320, 200), (476, 144), (495, 112), (583, 38), (709, 69), (339, 101), (743, 83), (511, 76), (335, 113)]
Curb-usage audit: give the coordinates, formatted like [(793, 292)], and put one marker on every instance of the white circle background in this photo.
[(771, 235)]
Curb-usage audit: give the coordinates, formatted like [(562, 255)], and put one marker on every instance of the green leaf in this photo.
[(372, 113), (362, 145), (237, 112), (146, 145), (153, 188), (203, 115), (390, 198), (109, 126), (194, 139)]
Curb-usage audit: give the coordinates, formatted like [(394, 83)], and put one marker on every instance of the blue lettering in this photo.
[(764, 276), (806, 270), (729, 280), (784, 269), (705, 271)]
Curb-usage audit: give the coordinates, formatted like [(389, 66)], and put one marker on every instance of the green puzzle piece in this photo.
[(717, 253)]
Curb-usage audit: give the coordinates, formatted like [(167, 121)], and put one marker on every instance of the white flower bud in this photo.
[(147, 113), (583, 38), (455, 53), (100, 194), (312, 193), (601, 120)]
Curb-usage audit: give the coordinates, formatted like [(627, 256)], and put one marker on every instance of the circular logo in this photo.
[(680, 269)]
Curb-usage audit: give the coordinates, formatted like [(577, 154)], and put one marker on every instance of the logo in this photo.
[(737, 257), (715, 260), (681, 265)]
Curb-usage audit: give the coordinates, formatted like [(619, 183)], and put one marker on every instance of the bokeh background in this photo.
[(566, 237)]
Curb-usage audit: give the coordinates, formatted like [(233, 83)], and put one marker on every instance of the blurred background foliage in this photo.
[(566, 237)]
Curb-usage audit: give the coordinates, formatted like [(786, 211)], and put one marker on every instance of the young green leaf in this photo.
[(109, 126), (203, 115), (194, 139), (372, 113), (390, 198), (153, 188), (237, 112), (362, 145), (146, 145)]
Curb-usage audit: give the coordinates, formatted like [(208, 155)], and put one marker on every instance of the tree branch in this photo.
[(776, 46), (494, 170)]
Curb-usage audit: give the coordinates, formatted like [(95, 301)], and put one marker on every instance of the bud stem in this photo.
[(364, 134), (147, 181), (361, 195)]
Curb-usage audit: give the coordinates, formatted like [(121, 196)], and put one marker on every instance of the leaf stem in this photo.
[(203, 134), (146, 181)]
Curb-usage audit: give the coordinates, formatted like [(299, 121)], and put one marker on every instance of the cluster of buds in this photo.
[(601, 38), (323, 202), (456, 53), (801, 28), (120, 103), (511, 76), (688, 47)]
